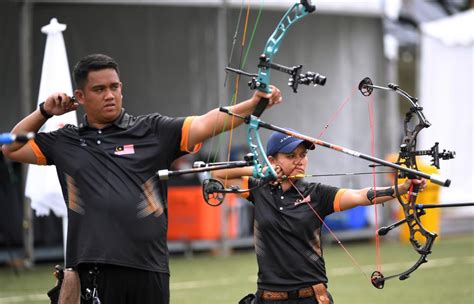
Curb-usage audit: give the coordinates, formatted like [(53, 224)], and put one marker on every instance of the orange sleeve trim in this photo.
[(40, 158), (337, 200), (185, 136), (245, 185)]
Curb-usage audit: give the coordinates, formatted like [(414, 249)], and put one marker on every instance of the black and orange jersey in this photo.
[(117, 207), (288, 233)]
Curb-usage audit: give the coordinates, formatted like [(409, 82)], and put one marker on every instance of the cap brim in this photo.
[(292, 146)]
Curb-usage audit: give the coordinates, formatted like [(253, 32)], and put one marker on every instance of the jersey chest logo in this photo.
[(124, 150), (303, 201)]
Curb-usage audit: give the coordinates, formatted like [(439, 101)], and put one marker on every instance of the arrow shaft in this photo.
[(433, 178)]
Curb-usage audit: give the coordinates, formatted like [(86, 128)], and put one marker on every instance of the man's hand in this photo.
[(274, 97), (70, 289), (59, 103)]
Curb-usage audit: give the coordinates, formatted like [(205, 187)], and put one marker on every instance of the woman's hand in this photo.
[(280, 174), (405, 187)]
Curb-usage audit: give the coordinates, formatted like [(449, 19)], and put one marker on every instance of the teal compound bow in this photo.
[(214, 190), (261, 82)]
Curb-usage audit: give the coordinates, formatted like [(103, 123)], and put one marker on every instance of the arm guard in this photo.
[(371, 194)]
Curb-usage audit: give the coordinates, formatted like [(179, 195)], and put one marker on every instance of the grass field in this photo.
[(447, 278)]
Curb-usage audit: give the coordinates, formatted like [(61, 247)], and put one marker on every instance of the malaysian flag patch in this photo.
[(124, 150)]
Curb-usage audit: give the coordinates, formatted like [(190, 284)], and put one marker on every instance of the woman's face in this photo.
[(292, 163)]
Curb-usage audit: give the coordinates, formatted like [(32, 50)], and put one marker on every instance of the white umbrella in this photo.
[(42, 184)]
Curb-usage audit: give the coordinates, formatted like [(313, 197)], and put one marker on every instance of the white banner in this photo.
[(42, 184)]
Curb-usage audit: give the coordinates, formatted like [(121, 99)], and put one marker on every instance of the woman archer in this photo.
[(291, 267)]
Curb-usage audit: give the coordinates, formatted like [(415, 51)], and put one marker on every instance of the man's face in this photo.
[(292, 163), (101, 96)]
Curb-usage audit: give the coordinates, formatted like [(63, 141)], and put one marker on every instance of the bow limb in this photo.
[(262, 82)]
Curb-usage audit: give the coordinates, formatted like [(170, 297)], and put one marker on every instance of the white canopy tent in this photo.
[(447, 94)]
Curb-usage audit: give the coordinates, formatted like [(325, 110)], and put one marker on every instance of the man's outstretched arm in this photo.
[(214, 121)]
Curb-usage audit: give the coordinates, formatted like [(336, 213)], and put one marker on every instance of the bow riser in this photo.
[(421, 239), (256, 148)]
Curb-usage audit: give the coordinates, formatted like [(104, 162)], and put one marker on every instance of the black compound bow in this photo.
[(421, 239)]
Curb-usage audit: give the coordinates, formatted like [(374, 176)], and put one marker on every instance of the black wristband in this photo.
[(43, 111)]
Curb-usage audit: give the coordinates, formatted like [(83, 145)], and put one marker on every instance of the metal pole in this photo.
[(25, 46)]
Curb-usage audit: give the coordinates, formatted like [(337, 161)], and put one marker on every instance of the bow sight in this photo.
[(296, 77), (433, 152)]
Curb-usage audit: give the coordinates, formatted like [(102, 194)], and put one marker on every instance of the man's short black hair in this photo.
[(89, 63)]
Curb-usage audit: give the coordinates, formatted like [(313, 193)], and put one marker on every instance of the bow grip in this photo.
[(261, 106)]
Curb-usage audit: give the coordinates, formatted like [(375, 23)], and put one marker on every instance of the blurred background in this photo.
[(172, 57)]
